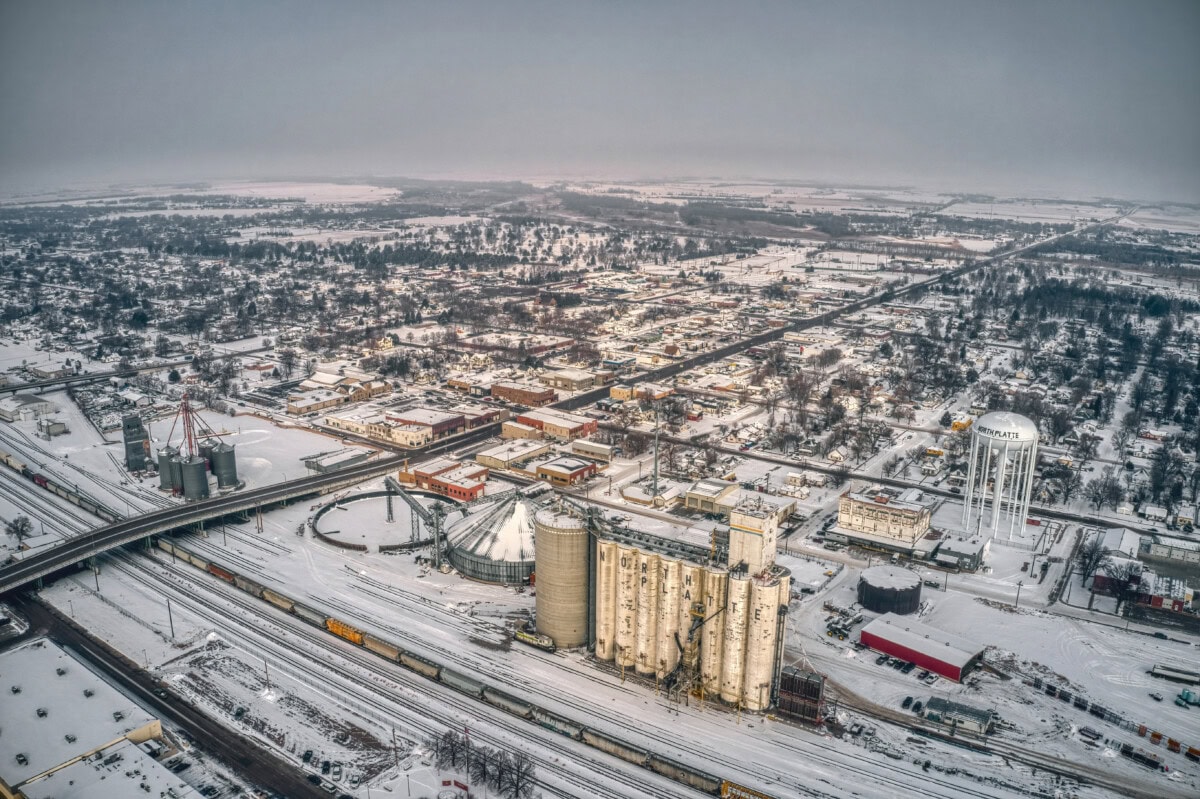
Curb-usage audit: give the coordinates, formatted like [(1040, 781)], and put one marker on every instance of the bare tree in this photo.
[(287, 363), (1124, 577), (521, 777), (20, 527), (1090, 555)]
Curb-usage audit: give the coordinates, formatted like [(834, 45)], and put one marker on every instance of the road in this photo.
[(251, 762), (799, 463), (84, 546)]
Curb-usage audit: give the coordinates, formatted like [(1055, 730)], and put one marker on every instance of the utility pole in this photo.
[(267, 673), (1017, 602), (170, 620)]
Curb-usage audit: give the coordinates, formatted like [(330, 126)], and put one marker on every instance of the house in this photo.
[(1155, 513)]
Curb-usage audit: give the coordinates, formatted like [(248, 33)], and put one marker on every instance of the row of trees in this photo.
[(511, 775)]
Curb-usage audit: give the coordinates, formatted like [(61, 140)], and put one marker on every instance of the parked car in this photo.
[(1157, 697), (916, 708), (1180, 702), (907, 703), (879, 661), (923, 674), (307, 755)]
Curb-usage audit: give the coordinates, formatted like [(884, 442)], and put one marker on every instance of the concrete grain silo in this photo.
[(561, 552)]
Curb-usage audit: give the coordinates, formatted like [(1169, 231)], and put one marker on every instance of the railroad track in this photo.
[(668, 740), (382, 697)]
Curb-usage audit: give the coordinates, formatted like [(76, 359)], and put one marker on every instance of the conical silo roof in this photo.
[(503, 532)]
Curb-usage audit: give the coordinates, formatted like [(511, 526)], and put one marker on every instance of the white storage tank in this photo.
[(608, 560), (733, 656), (561, 557), (647, 613)]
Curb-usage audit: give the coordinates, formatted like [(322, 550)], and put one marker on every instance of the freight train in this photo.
[(459, 681), (54, 487)]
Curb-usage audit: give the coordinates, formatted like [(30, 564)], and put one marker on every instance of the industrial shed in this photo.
[(948, 655)]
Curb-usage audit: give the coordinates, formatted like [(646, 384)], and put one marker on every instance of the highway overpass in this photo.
[(94, 542)]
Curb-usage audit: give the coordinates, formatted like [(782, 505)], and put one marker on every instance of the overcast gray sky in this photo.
[(1097, 97)]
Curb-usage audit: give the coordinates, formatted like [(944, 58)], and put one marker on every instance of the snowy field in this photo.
[(1173, 218), (1030, 211), (315, 193)]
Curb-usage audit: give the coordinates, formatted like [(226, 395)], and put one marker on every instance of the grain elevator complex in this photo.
[(701, 621)]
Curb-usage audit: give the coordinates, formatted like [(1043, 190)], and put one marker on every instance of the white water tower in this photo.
[(1000, 473)]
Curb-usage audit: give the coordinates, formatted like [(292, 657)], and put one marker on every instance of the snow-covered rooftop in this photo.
[(911, 634), (57, 709)]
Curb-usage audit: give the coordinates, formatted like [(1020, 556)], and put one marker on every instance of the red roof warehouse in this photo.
[(928, 647)]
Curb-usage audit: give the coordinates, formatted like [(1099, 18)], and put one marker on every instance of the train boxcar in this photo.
[(420, 665), (192, 558), (309, 615), (507, 702), (224, 574), (41, 480), (248, 585), (14, 463), (381, 647), (553, 721), (685, 774), (165, 545), (343, 630), (278, 600), (604, 743), (461, 682)]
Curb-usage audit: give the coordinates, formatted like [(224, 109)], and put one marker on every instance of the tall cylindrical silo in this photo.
[(712, 641), (166, 475), (177, 473), (627, 605), (206, 451), (691, 592), (224, 465), (667, 624), (647, 615), (734, 654), (194, 477), (606, 599), (561, 563), (767, 593)]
